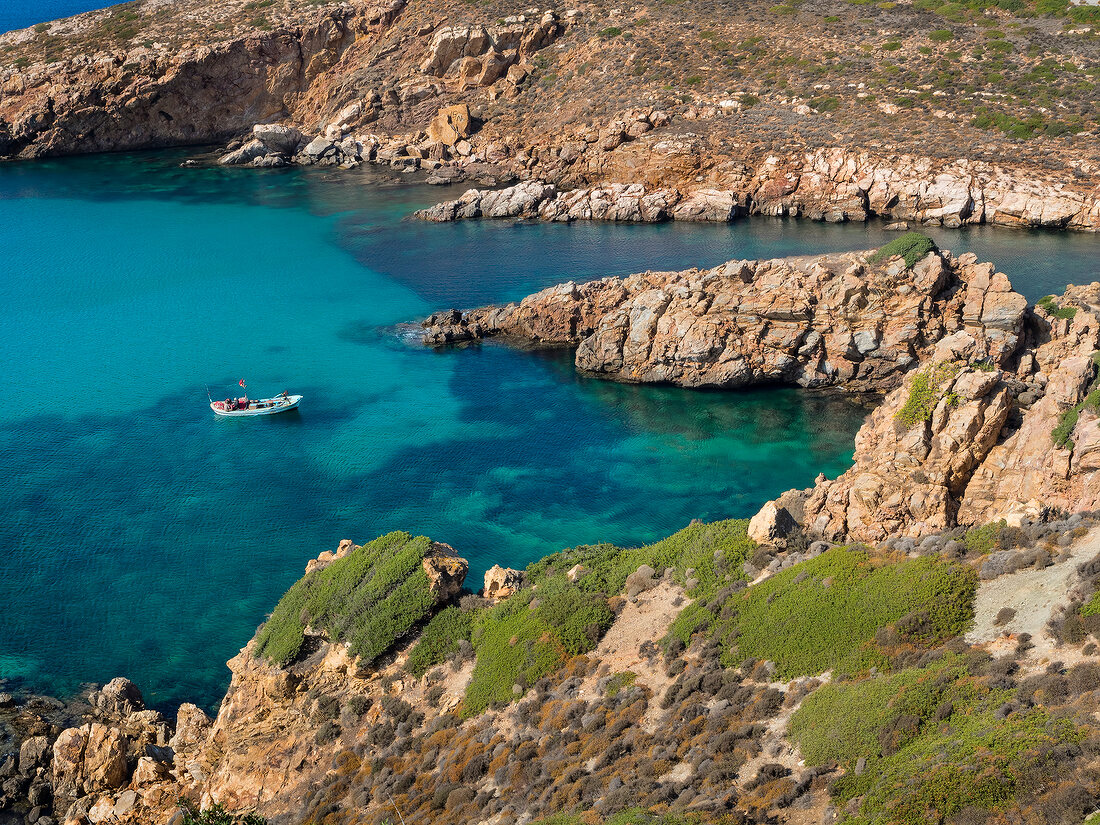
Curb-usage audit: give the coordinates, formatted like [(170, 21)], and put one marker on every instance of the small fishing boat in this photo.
[(245, 406)]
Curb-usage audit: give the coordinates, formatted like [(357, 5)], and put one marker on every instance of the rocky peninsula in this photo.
[(976, 380)]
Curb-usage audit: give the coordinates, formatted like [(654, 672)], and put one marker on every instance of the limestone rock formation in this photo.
[(451, 124), (771, 525), (963, 445), (501, 582), (446, 571), (831, 321)]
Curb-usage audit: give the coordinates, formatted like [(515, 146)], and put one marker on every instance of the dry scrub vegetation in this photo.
[(852, 655)]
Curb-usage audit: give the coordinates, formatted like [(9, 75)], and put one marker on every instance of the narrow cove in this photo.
[(147, 539)]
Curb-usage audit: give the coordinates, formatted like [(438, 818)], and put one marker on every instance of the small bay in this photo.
[(145, 538)]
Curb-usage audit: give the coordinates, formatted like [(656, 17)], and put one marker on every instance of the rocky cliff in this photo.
[(596, 110), (848, 321), (990, 411)]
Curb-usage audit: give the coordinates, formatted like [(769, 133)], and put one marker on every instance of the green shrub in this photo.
[(925, 392), (533, 632), (1062, 434), (514, 646), (620, 681), (912, 246), (439, 638), (370, 598), (578, 617), (981, 540), (217, 815), (714, 552), (936, 741), (940, 35), (824, 613), (1051, 307), (610, 31), (1092, 606)]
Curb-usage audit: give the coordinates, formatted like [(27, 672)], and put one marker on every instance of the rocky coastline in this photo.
[(411, 88), (976, 380)]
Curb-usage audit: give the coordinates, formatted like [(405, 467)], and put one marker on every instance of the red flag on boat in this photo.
[(241, 382)]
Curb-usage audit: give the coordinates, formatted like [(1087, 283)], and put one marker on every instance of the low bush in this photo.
[(936, 741), (217, 815), (439, 638), (925, 392), (912, 246), (1051, 307), (824, 613), (370, 598)]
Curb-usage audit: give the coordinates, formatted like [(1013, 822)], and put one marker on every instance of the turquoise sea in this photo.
[(18, 14), (144, 537)]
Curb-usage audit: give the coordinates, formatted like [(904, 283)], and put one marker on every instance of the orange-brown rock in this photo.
[(836, 320)]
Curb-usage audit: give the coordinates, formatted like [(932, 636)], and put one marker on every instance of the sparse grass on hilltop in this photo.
[(912, 247), (370, 598)]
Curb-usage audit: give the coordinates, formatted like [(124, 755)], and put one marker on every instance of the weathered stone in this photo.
[(446, 571), (280, 139), (33, 751), (771, 525), (501, 582), (451, 124), (118, 699)]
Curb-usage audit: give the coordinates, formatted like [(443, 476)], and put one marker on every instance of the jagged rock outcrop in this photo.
[(983, 449), (836, 320), (501, 582), (151, 97), (830, 184)]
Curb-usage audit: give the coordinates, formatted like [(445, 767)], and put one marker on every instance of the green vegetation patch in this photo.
[(912, 246), (370, 598), (514, 647), (935, 739), (439, 638), (925, 392), (1051, 307), (824, 614), (534, 632), (982, 540), (712, 552), (218, 815)]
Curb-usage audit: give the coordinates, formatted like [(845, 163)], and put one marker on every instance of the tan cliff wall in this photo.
[(168, 97)]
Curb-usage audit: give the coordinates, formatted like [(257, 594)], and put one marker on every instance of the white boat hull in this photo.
[(263, 406)]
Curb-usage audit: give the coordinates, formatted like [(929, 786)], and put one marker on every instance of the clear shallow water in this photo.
[(19, 14), (144, 537)]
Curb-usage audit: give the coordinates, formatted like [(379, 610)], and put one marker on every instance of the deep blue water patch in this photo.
[(147, 538)]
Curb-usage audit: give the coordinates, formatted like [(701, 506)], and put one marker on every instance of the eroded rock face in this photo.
[(648, 179), (501, 582), (815, 322), (985, 449), (446, 571)]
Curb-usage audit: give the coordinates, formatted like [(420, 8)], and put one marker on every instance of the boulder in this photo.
[(772, 525), (446, 571), (192, 726), (33, 751), (451, 124), (501, 582), (149, 771), (104, 758), (244, 155), (642, 579), (279, 139), (319, 147), (118, 699)]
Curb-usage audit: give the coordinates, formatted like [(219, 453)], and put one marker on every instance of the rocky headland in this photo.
[(592, 112), (987, 413)]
